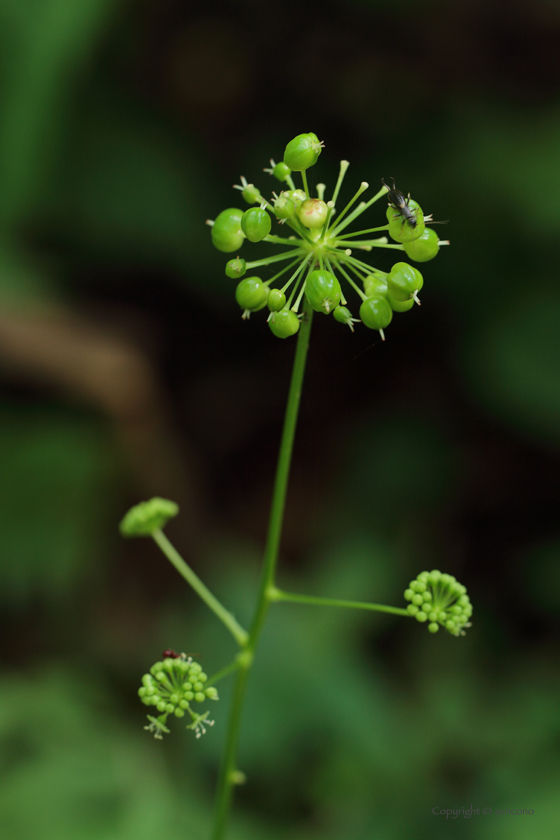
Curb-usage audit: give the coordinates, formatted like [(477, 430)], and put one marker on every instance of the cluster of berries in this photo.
[(441, 600), (319, 249), (171, 686)]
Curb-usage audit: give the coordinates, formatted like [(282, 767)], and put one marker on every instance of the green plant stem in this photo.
[(233, 666), (245, 659), (277, 258), (240, 635), (280, 595)]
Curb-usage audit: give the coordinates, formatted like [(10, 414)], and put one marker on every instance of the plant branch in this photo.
[(280, 595), (239, 634)]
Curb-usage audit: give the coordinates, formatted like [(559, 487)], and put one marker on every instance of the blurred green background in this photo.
[(126, 372)]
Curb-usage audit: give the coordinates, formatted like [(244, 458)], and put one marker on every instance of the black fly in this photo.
[(400, 203)]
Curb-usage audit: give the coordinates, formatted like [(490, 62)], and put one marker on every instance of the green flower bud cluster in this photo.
[(320, 254), (171, 686), (440, 600), (145, 518)]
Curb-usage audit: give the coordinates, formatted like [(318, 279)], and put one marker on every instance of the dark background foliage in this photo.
[(126, 372)]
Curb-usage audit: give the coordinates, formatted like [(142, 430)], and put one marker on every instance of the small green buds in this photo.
[(249, 192), (145, 518), (276, 300), (251, 294), (404, 281), (302, 152), (376, 313), (323, 291), (283, 324), (344, 316), (169, 687), (284, 206), (236, 268), (313, 213), (256, 224), (227, 234), (279, 170), (402, 229), (424, 248), (441, 600)]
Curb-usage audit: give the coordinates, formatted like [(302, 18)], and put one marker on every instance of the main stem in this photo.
[(228, 771)]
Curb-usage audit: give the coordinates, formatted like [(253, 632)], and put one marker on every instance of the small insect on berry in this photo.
[(171, 654), (409, 211)]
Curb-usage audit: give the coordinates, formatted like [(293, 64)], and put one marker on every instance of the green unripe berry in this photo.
[(343, 315), (161, 705), (184, 704), (418, 585), (417, 599), (202, 677), (422, 577), (174, 698), (281, 171), (284, 206), (412, 609), (421, 616), (451, 626), (400, 229), (251, 294), (170, 708), (434, 576), (298, 196), (403, 281), (142, 691), (424, 248), (198, 686), (408, 593), (189, 695), (211, 693), (143, 519), (313, 213), (251, 194), (427, 596), (375, 286), (284, 323), (179, 713), (433, 627), (400, 305), (236, 268), (276, 300), (199, 697), (302, 152), (256, 224), (432, 616), (323, 291), (227, 234), (376, 313)]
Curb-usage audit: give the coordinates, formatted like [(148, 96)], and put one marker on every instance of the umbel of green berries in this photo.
[(171, 686), (440, 600), (320, 255)]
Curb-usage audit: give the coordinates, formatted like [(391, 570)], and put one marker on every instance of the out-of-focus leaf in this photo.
[(54, 500)]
